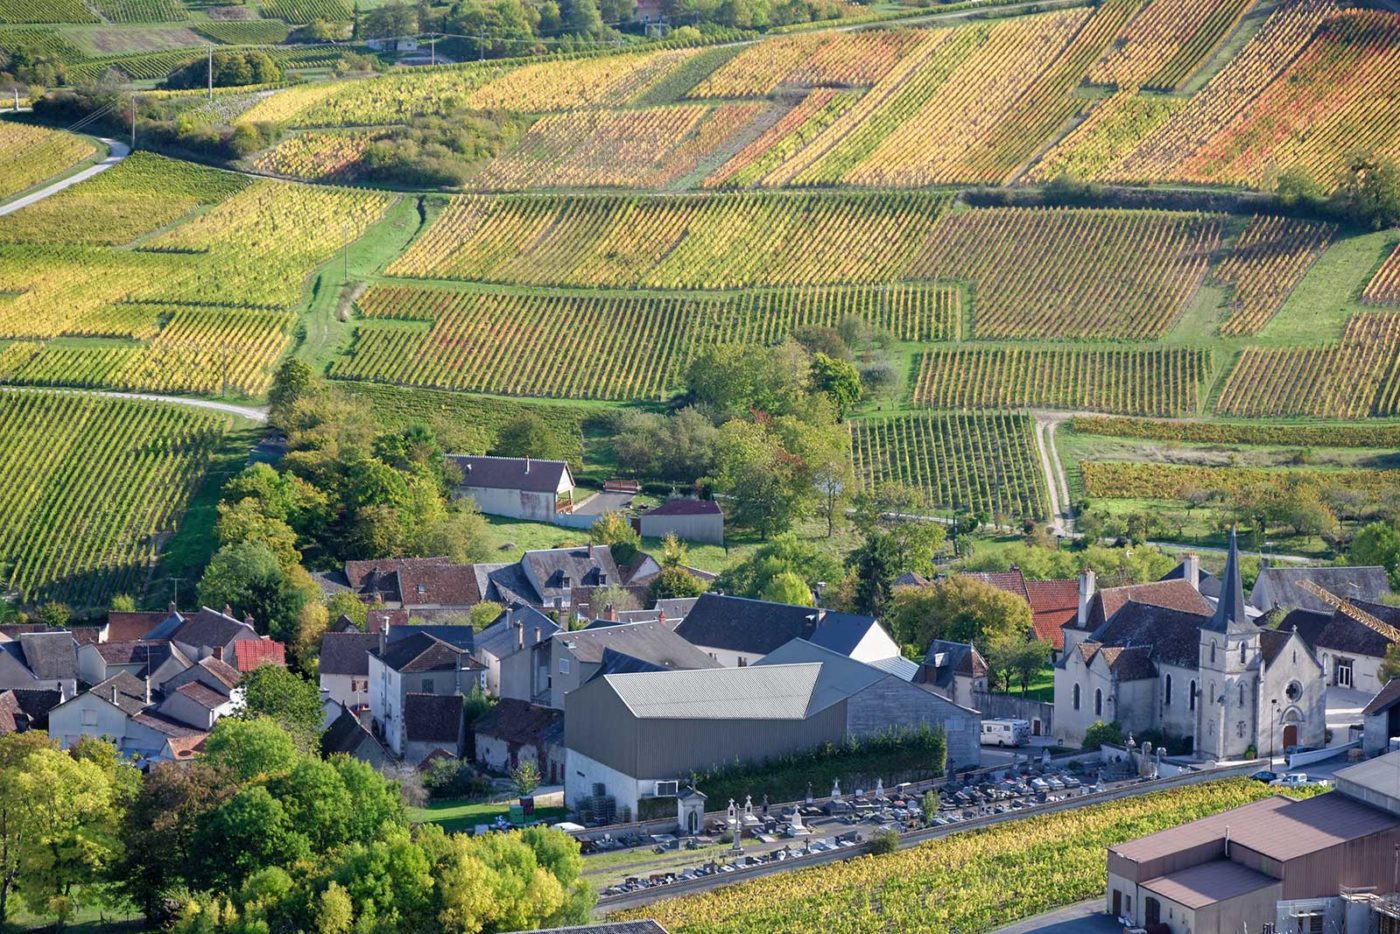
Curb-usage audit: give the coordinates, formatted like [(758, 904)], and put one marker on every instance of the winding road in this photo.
[(116, 152), (252, 413)]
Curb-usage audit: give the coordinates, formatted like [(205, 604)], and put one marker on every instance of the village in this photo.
[(676, 738)]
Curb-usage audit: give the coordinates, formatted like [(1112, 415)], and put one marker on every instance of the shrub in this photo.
[(884, 842), (1101, 733)]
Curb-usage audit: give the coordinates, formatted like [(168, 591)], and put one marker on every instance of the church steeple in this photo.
[(1229, 611)]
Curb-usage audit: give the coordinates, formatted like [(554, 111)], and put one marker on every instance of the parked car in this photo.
[(1265, 776), (1298, 780)]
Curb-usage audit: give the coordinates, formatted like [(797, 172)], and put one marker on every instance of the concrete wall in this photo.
[(350, 690), (1009, 706), (1177, 718), (729, 658), (891, 702), (709, 529), (1377, 735), (581, 772), (516, 504)]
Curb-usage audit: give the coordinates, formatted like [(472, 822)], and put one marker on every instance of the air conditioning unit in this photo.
[(667, 789)]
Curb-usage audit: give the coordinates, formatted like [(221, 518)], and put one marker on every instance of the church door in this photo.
[(1290, 735)]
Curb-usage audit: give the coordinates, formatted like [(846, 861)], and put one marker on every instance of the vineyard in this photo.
[(318, 156), (1114, 126), (1270, 258), (651, 148), (88, 488), (45, 11), (614, 347), (30, 154), (602, 81), (1166, 42), (140, 11), (1158, 381), (1217, 432), (698, 242), (969, 882), (1355, 378), (1384, 287), (964, 463), (1070, 273), (830, 59), (305, 11), (1124, 480)]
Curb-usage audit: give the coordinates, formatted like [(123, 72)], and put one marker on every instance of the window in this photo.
[(427, 685), (1212, 651), (89, 718), (1243, 647), (1098, 702), (1294, 691), (1239, 728), (1168, 700), (1212, 692), (1241, 695), (359, 684), (563, 666), (1076, 697), (1191, 699)]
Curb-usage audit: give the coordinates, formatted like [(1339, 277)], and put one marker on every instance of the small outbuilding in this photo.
[(516, 487), (690, 520)]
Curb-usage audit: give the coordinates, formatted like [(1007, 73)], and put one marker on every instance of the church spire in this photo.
[(1229, 611)]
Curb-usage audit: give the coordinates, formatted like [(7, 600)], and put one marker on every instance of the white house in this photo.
[(344, 670), (423, 665), (517, 487)]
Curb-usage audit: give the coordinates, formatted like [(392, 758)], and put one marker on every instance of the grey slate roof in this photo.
[(945, 660), (1388, 697), (210, 628), (1277, 586), (1174, 636), (462, 636), (345, 734), (432, 718), (124, 691), (1338, 632), (616, 663), (511, 473), (500, 638), (52, 656), (649, 642), (347, 653), (206, 697), (1230, 616), (422, 652), (757, 627), (518, 721), (1209, 583), (554, 572), (507, 583)]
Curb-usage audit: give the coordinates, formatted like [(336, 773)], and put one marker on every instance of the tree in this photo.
[(736, 380), (679, 448), (53, 615), (122, 603), (1029, 659), (526, 777), (527, 435), (1390, 665), (15, 748), (392, 20), (336, 913), (787, 587), (614, 598), (246, 521), (248, 749), (484, 614), (769, 468), (959, 609), (751, 577), (287, 698), (1379, 544), (250, 578), (229, 69), (1369, 191), (249, 832), (875, 564), (613, 530), (676, 582), (838, 380)]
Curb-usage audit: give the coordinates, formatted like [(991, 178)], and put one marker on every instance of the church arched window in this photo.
[(1098, 702), (1241, 695), (1212, 651), (1076, 697), (1243, 647)]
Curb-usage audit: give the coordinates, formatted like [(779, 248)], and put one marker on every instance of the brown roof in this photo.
[(1129, 664), (517, 721), (440, 585), (1012, 581), (1208, 883), (222, 670), (1171, 594), (130, 626), (201, 694), (1386, 699), (686, 507), (433, 718), (11, 716), (1277, 827), (423, 652), (251, 653), (187, 747)]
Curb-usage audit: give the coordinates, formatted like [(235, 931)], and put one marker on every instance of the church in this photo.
[(1160, 657)]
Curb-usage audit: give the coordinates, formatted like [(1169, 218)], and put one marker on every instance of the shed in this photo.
[(690, 520)]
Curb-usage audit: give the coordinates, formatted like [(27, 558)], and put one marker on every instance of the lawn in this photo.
[(457, 816)]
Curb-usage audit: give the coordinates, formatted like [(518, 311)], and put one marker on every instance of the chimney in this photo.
[(114, 694), (610, 613), (661, 616), (219, 652), (383, 640), (1086, 593), (1191, 568), (170, 607), (590, 551), (228, 610), (248, 618)]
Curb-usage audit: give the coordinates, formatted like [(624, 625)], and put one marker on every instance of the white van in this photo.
[(1006, 732)]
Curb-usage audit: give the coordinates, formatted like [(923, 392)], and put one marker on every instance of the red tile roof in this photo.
[(250, 653), (132, 626), (1053, 604), (1013, 581)]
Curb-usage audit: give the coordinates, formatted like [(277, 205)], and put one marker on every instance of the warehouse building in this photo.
[(638, 734)]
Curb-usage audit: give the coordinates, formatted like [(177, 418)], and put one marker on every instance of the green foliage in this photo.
[(736, 379), (439, 151), (883, 842), (614, 530), (1390, 665), (893, 755), (526, 777), (250, 749), (528, 435), (679, 448), (1100, 733), (959, 609), (676, 582), (484, 614), (787, 587), (785, 553), (287, 698), (1378, 544), (250, 578), (838, 380), (229, 69)]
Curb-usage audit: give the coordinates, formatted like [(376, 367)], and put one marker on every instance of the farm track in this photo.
[(252, 413)]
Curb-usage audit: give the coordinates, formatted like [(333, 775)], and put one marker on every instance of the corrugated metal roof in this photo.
[(899, 666), (761, 692), (1209, 883), (1278, 827)]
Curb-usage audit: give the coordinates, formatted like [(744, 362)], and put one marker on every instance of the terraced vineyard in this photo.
[(700, 242), (1355, 378), (30, 154), (88, 487), (1270, 258), (605, 347), (1159, 381), (1067, 273), (964, 463)]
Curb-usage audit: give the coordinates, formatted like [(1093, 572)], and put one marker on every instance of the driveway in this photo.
[(1083, 918)]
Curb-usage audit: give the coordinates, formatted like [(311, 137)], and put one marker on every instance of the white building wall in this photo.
[(1071, 724), (385, 702), (515, 504), (343, 689), (1178, 718), (707, 529), (68, 723), (581, 772)]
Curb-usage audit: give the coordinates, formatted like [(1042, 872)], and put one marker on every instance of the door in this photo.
[(1290, 735), (1117, 904), (1343, 672), (1152, 910), (1035, 727)]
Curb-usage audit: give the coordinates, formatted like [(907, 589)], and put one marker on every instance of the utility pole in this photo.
[(133, 122), (211, 71), (432, 51), (176, 595)]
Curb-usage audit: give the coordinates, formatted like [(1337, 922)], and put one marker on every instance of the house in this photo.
[(205, 633), (195, 705), (690, 520), (155, 660), (574, 657), (516, 731), (1350, 650), (553, 573), (1318, 864), (638, 735), (1380, 719), (133, 625), (422, 665), (1281, 586), (34, 660), (516, 487), (347, 735), (461, 635), (211, 672), (344, 672), (27, 708), (119, 710), (507, 650), (1208, 676), (738, 631), (954, 670), (432, 723)]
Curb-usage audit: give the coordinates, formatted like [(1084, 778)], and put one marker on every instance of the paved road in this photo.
[(1083, 918), (116, 152), (252, 413)]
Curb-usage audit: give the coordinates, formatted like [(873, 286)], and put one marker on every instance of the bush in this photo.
[(452, 778), (1101, 733), (884, 842), (231, 69)]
